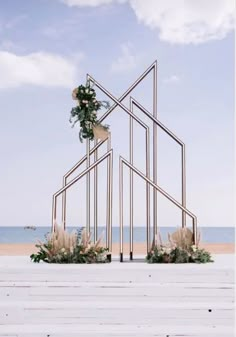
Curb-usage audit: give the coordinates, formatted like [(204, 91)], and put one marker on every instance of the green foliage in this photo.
[(64, 247), (79, 255), (40, 256), (86, 111), (158, 255), (161, 254), (179, 255), (180, 249), (201, 256)]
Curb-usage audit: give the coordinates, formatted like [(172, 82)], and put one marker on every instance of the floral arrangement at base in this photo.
[(86, 113), (180, 249), (74, 247)]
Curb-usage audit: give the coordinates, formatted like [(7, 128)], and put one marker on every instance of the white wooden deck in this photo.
[(129, 299)]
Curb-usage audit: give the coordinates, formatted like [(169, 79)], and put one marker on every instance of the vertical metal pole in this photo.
[(194, 231), (155, 150), (108, 192), (88, 188), (110, 201), (54, 212), (95, 195), (64, 205), (131, 180), (121, 207), (183, 164), (88, 182), (147, 188)]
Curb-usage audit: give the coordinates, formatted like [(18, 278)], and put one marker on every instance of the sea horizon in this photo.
[(22, 234)]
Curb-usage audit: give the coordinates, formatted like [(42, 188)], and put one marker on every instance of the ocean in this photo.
[(208, 234)]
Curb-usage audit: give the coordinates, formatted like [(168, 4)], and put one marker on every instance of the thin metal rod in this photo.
[(121, 208), (64, 205), (54, 212), (88, 187), (183, 164), (147, 139), (195, 231), (155, 150), (163, 192), (183, 153), (108, 193), (148, 219), (131, 187), (73, 181), (155, 120), (95, 236), (127, 92), (110, 199)]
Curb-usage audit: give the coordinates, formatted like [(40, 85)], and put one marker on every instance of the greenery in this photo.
[(74, 247), (86, 111), (180, 249), (178, 255)]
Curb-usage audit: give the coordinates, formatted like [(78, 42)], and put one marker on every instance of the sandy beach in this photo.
[(12, 249)]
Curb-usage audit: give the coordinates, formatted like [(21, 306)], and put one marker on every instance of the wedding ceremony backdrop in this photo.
[(92, 161)]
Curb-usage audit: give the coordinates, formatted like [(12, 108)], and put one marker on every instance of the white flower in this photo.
[(86, 90), (74, 93), (102, 257), (63, 250), (194, 248), (168, 250), (86, 105)]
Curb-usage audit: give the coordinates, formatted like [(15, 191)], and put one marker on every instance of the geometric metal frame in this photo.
[(149, 182)]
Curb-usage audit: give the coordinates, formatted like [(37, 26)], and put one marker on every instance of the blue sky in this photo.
[(46, 49)]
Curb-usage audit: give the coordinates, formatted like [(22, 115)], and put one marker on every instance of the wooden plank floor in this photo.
[(129, 299)]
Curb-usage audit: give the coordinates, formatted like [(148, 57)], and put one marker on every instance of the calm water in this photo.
[(208, 234)]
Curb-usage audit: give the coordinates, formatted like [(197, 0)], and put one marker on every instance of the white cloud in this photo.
[(127, 61), (179, 21), (173, 79), (192, 21), (42, 69)]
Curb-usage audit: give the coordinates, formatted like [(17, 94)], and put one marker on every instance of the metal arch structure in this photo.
[(150, 181)]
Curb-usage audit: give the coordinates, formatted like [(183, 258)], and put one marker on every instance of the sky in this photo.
[(46, 49)]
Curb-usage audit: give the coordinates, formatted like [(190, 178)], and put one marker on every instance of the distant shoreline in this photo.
[(208, 235), (15, 249)]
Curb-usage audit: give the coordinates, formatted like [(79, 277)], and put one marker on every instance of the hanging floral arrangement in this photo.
[(86, 113)]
